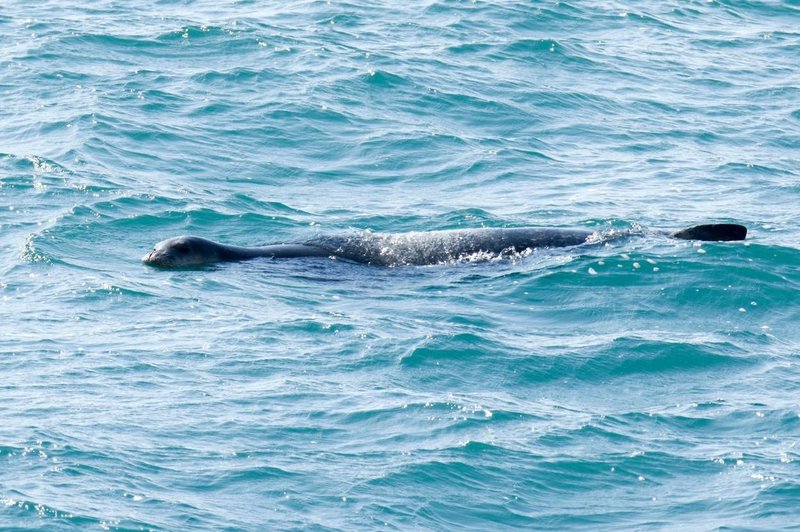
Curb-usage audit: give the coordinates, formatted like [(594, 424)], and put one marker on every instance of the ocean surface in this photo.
[(634, 384)]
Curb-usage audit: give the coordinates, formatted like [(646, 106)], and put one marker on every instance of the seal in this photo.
[(418, 248)]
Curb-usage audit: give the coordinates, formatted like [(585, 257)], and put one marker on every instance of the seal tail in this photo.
[(712, 232)]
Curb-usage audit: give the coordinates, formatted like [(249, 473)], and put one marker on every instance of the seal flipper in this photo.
[(712, 232)]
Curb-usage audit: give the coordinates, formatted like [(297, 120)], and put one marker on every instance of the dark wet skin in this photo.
[(404, 248)]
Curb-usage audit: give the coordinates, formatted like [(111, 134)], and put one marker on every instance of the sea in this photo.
[(637, 383)]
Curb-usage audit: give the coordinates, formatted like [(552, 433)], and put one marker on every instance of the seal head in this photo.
[(184, 251)]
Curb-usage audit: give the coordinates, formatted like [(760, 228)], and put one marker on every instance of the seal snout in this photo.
[(155, 258), (160, 256)]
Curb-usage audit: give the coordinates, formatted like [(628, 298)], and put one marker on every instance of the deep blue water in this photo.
[(645, 383)]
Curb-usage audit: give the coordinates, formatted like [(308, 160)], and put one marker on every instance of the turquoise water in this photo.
[(645, 383)]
